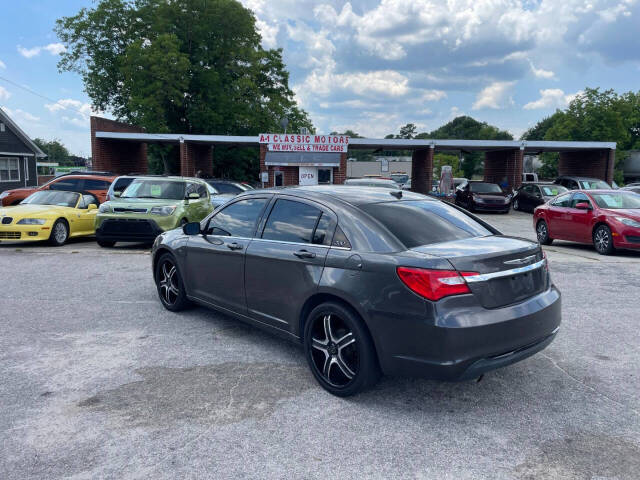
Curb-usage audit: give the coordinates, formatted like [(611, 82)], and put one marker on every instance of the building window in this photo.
[(325, 175), (278, 179), (9, 169), (1, 127)]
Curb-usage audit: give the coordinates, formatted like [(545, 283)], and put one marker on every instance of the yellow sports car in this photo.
[(51, 215)]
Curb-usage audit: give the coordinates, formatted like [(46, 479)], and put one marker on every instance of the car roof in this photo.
[(344, 193), (83, 176), (172, 178), (572, 177)]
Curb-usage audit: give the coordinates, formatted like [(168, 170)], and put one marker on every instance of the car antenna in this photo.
[(397, 194)]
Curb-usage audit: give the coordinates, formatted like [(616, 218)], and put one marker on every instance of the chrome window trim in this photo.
[(299, 243), (505, 273)]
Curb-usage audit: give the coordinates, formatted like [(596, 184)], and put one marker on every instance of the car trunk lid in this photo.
[(510, 269)]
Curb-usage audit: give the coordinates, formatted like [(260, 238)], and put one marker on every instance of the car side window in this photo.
[(191, 188), (87, 200), (238, 219), (291, 221), (94, 184), (579, 198), (227, 188), (68, 185), (562, 200), (202, 191), (528, 189)]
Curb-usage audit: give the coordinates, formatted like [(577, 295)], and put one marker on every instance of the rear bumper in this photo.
[(128, 230), (467, 340)]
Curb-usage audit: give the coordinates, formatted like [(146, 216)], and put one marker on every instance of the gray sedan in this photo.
[(368, 280)]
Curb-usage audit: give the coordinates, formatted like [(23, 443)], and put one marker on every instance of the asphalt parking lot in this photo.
[(99, 381)]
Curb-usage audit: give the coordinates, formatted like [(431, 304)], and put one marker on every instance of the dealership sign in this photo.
[(283, 142)]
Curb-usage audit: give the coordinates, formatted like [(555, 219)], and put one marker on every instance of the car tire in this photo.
[(603, 240), (106, 243), (339, 350), (59, 233), (170, 285), (183, 222), (516, 204), (542, 232)]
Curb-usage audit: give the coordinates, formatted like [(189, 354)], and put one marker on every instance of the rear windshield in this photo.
[(484, 188), (423, 222)]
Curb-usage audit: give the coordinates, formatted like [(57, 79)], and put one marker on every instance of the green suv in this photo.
[(150, 206)]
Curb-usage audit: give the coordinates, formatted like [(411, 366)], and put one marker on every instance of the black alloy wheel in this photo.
[(542, 231), (59, 233), (339, 350), (170, 285), (603, 240)]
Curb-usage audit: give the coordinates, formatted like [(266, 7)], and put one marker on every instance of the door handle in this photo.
[(304, 254), (234, 246)]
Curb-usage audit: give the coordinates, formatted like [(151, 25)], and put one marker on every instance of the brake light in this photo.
[(546, 260), (434, 284)]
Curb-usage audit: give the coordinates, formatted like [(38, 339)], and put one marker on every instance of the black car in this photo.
[(227, 186), (368, 280), (581, 183), (530, 195), (488, 197)]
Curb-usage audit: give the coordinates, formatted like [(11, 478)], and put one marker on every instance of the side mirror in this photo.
[(193, 196), (92, 206), (583, 206), (191, 228), (117, 194)]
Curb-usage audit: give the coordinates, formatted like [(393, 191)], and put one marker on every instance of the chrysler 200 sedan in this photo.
[(369, 280)]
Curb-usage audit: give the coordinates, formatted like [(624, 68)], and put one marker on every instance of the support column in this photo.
[(117, 156), (504, 164), (422, 170), (340, 173), (593, 163)]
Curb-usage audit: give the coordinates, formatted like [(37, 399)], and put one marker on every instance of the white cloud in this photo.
[(540, 73), (323, 82), (269, 32), (4, 93), (494, 96), (78, 122), (434, 95), (2, 64), (52, 48), (55, 48), (551, 98), (82, 108), (20, 116)]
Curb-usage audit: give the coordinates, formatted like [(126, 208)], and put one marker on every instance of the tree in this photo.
[(408, 131), (55, 150), (593, 115), (185, 66), (464, 127)]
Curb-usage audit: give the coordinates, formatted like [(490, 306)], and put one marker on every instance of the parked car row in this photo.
[(126, 208)]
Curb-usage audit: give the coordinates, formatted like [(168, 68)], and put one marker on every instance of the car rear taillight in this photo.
[(434, 284), (546, 260)]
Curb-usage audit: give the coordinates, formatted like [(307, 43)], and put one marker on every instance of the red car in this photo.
[(609, 219)]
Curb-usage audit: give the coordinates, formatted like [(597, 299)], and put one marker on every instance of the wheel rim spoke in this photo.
[(348, 339), (169, 290), (346, 371), (327, 328)]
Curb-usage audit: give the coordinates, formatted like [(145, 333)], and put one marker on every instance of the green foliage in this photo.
[(408, 131), (594, 115), (441, 159), (185, 66), (55, 150), (464, 127)]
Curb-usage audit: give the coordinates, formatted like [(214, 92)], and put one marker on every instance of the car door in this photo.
[(535, 197), (199, 208), (216, 259), (285, 261), (86, 217), (578, 226), (524, 198), (557, 215)]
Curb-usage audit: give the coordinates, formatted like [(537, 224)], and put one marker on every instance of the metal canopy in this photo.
[(529, 147)]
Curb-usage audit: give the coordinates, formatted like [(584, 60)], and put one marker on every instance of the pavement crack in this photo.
[(587, 386)]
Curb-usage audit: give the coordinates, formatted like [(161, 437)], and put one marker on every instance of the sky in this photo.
[(371, 66)]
